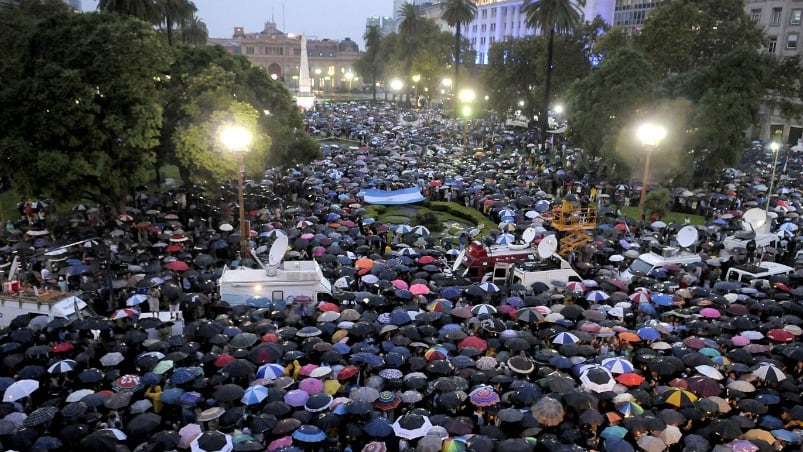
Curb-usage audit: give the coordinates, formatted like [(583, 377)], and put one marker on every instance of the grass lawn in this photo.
[(670, 217)]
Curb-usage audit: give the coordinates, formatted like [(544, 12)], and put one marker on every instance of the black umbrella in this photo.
[(100, 441), (143, 424), (40, 416)]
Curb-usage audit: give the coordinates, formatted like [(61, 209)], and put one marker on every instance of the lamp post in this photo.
[(416, 79), (650, 136), (396, 85), (237, 139), (775, 147), (349, 78), (466, 97)]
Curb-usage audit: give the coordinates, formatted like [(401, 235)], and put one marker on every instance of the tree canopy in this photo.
[(79, 120)]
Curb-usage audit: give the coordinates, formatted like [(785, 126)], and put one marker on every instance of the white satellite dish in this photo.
[(528, 235), (687, 236), (277, 251), (547, 247), (754, 219), (458, 260)]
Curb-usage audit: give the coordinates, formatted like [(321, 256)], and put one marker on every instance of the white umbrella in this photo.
[(19, 390), (597, 379), (411, 426), (710, 372)]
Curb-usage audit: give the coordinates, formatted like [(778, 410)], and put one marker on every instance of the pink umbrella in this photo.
[(640, 297), (419, 289), (187, 434), (740, 341), (296, 398), (307, 236), (399, 284), (311, 385), (284, 441), (710, 313), (307, 369)]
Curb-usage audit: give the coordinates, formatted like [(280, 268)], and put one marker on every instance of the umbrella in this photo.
[(678, 397), (617, 365), (62, 366), (548, 411), (40, 416), (143, 424), (597, 379), (212, 441), (484, 396), (20, 389), (651, 443), (378, 427), (411, 426), (309, 434), (254, 395), (769, 372)]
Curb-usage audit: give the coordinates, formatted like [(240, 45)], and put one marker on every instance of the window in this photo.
[(493, 27), (493, 12), (791, 41), (794, 18), (776, 16), (755, 15), (773, 44), (483, 28), (297, 51), (249, 50), (484, 13)]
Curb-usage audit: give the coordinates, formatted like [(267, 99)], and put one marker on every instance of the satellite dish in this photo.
[(687, 236), (547, 247), (528, 235), (277, 250), (458, 261), (754, 219)]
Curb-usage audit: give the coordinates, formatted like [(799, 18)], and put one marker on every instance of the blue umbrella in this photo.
[(258, 301), (450, 292), (309, 434), (190, 399), (648, 333), (786, 436), (617, 444), (662, 299), (378, 427), (76, 270), (270, 371), (183, 375), (770, 422), (367, 358), (171, 396), (254, 395), (560, 362), (614, 432), (647, 308), (399, 317)]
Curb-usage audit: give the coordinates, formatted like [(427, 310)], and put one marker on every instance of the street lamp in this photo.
[(416, 79), (775, 147), (396, 85), (349, 78), (237, 139), (466, 97), (650, 136)]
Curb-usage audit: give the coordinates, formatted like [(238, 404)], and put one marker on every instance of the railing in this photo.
[(576, 218)]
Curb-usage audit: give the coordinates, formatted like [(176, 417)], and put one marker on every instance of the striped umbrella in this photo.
[(270, 371), (62, 366), (617, 365), (679, 397), (254, 395), (597, 296)]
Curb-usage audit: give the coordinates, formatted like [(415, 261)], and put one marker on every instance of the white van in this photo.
[(764, 270), (648, 262)]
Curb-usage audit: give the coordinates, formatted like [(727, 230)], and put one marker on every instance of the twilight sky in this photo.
[(334, 19)]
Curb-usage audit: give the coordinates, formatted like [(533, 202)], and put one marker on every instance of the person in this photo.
[(174, 305), (154, 295)]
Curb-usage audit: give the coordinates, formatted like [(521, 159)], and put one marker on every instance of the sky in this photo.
[(333, 19)]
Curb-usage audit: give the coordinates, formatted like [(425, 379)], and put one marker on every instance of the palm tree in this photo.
[(552, 16), (457, 13), (408, 29), (373, 40), (193, 31), (173, 13), (142, 9)]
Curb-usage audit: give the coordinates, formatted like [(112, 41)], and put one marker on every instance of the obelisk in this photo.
[(304, 98)]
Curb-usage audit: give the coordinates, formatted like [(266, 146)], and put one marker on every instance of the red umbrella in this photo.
[(174, 248), (630, 379), (62, 347), (223, 359), (426, 260), (779, 335), (419, 289), (178, 266), (473, 342), (325, 307)]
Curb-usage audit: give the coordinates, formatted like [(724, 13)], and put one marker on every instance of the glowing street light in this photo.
[(396, 85), (416, 79), (775, 147), (650, 136), (236, 139), (349, 77), (466, 97)]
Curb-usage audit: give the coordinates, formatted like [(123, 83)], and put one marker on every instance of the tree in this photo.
[(209, 86), (193, 32), (726, 94), (80, 121), (172, 13), (785, 90), (682, 35), (409, 28), (604, 104), (146, 10), (510, 78), (457, 13), (370, 61), (551, 17)]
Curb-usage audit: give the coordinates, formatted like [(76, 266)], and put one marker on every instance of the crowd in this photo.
[(398, 358)]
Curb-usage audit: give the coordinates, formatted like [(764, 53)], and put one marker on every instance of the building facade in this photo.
[(386, 24), (498, 20), (279, 53)]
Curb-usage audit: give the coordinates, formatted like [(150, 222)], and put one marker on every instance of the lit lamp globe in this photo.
[(467, 96), (235, 138), (650, 134)]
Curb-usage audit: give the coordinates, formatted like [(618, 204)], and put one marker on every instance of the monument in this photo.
[(304, 98)]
